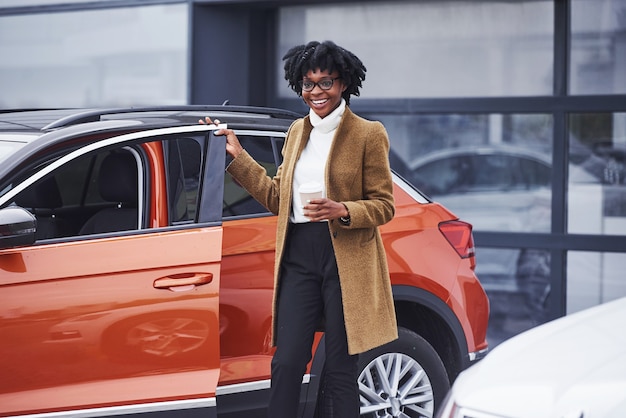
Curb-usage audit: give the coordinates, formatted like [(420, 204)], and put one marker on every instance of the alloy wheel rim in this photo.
[(395, 385)]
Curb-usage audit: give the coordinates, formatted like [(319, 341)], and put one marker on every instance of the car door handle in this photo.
[(183, 280)]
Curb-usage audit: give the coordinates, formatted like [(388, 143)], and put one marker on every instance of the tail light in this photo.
[(459, 235)]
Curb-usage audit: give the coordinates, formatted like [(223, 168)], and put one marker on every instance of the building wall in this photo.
[(511, 113)]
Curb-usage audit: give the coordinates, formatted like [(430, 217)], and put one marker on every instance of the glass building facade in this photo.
[(115, 56), (512, 114)]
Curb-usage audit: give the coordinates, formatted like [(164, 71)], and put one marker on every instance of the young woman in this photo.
[(330, 261)]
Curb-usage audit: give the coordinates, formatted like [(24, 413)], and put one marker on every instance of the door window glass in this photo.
[(80, 180), (237, 201), (119, 190), (184, 162), (94, 193)]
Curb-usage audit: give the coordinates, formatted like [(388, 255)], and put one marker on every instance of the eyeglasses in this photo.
[(325, 84)]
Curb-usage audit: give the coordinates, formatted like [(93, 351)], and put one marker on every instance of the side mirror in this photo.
[(17, 227)]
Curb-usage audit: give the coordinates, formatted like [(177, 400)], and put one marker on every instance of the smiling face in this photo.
[(323, 102)]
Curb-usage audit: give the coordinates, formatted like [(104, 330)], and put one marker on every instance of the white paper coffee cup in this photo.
[(309, 191)]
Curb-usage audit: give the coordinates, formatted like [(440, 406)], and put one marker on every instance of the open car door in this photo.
[(114, 309)]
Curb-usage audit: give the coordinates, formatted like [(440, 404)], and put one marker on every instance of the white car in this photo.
[(572, 367)]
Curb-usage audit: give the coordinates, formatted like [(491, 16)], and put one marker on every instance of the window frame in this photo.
[(215, 151)]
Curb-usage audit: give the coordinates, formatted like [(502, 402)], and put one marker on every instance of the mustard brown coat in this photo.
[(357, 174)]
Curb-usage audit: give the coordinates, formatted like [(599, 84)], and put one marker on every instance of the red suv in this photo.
[(136, 275)]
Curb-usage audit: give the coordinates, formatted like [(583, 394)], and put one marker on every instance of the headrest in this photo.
[(42, 195), (117, 180)]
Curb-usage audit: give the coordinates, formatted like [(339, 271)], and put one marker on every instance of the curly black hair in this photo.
[(326, 55)]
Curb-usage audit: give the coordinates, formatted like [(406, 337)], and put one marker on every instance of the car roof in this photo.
[(46, 120), (502, 149), (39, 129)]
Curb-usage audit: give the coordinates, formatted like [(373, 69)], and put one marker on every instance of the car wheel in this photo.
[(405, 378)]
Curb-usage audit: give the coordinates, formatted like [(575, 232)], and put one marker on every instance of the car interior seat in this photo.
[(43, 199), (118, 183)]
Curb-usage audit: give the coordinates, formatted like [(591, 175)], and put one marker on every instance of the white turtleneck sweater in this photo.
[(312, 163)]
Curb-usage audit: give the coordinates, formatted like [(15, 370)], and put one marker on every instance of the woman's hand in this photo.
[(324, 209), (233, 147)]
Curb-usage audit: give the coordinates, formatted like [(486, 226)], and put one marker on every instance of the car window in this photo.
[(120, 191), (184, 162), (501, 172), (491, 173), (536, 174), (94, 193), (108, 190), (237, 201), (481, 173), (441, 176), (79, 181)]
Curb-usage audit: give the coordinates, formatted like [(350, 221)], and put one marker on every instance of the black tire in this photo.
[(422, 381)]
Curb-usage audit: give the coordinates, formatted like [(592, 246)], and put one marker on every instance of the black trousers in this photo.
[(310, 292)]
